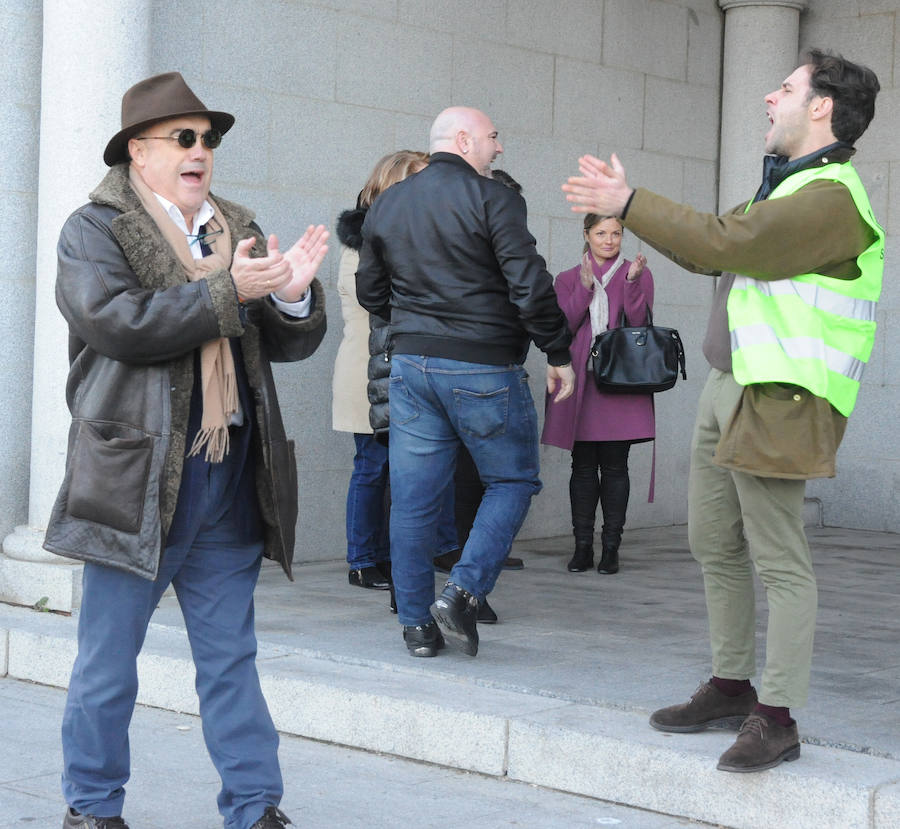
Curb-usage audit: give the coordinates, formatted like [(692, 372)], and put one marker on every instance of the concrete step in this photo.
[(427, 714)]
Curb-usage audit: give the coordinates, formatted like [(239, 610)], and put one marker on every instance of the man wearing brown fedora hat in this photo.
[(178, 470)]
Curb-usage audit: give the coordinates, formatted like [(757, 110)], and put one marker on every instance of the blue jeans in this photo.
[(368, 508), (214, 575), (437, 404), (367, 504)]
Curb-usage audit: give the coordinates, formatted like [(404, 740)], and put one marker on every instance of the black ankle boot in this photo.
[(486, 614), (583, 558), (445, 562), (609, 559), (614, 489)]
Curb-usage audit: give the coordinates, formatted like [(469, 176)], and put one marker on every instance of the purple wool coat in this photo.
[(590, 414)]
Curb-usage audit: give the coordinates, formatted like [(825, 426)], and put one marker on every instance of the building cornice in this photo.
[(798, 5)]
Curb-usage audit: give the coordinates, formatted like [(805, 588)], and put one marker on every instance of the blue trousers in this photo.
[(437, 404), (368, 508), (214, 574), (368, 538)]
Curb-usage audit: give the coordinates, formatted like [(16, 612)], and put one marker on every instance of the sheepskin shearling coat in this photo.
[(135, 323)]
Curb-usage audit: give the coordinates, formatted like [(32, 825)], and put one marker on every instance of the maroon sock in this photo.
[(731, 687), (775, 712)]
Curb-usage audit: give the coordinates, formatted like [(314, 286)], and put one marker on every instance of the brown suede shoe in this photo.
[(708, 708), (761, 744)]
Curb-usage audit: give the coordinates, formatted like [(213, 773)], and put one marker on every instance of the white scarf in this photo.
[(599, 308)]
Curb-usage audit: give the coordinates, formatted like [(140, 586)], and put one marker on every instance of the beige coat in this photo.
[(350, 404)]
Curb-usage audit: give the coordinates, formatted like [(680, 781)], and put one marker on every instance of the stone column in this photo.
[(761, 49), (92, 51), (20, 115)]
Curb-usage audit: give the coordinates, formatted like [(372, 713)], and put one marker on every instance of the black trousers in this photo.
[(599, 475)]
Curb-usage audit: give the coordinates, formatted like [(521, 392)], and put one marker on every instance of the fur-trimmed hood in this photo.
[(349, 227)]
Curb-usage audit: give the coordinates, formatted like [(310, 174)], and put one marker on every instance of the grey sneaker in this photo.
[(761, 744), (708, 708), (75, 820)]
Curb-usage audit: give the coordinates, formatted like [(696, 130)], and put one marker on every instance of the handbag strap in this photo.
[(623, 323)]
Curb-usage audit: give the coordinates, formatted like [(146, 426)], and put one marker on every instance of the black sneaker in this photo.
[(273, 818), (76, 820), (456, 612), (423, 640)]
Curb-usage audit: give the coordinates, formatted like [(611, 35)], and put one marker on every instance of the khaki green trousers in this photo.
[(735, 520)]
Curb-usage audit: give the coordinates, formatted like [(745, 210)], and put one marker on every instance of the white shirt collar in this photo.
[(201, 217)]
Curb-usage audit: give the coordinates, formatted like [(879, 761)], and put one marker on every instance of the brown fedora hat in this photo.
[(158, 99)]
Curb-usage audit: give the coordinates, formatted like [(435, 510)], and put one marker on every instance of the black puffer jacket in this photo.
[(349, 231), (448, 258)]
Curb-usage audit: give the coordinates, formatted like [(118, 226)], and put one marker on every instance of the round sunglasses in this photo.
[(187, 138)]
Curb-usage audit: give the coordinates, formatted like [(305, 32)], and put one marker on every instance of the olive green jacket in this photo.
[(814, 230)]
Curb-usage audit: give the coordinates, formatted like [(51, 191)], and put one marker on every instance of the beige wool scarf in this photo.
[(219, 385)]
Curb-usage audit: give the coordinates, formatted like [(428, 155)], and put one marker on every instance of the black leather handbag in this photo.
[(641, 360)]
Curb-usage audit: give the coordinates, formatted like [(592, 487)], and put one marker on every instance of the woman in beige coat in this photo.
[(368, 544)]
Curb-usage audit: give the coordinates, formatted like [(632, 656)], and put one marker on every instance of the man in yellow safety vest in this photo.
[(791, 328)]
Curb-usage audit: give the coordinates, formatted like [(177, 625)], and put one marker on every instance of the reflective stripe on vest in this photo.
[(813, 331), (800, 348)]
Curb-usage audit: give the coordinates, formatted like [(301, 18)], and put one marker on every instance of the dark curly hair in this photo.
[(851, 86)]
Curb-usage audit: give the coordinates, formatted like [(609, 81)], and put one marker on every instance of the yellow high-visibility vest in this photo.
[(810, 330)]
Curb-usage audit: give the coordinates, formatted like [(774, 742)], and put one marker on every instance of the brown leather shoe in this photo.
[(761, 744), (708, 708)]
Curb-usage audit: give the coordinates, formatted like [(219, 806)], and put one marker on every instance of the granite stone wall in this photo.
[(322, 89)]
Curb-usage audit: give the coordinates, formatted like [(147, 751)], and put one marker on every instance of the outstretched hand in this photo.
[(601, 188)]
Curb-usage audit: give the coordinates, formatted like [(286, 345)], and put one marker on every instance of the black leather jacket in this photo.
[(448, 258), (134, 324)]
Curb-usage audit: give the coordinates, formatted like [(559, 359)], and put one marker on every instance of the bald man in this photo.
[(448, 259)]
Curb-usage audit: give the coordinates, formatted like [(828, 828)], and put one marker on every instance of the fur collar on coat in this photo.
[(349, 227)]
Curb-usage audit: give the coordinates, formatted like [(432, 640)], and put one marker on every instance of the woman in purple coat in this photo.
[(599, 428)]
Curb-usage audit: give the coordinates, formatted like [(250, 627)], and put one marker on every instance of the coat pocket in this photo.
[(779, 430), (110, 471)]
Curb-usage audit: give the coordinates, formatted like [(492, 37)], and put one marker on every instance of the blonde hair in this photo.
[(389, 170), (592, 219)]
